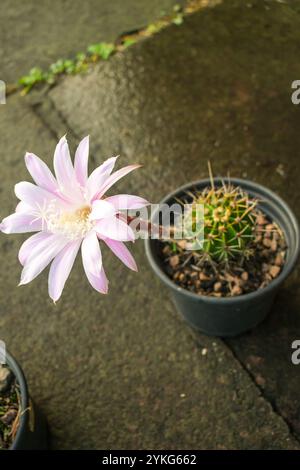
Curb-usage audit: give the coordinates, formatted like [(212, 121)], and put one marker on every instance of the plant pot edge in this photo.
[(32, 433), (254, 189)]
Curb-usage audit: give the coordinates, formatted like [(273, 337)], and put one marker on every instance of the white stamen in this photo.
[(40, 213), (72, 225)]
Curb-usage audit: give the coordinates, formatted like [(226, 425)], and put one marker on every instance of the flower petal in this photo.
[(122, 252), (98, 177), (91, 253), (112, 179), (102, 209), (33, 195), (65, 173), (127, 201), (40, 258), (100, 282), (60, 269), (81, 161), (23, 207), (63, 167), (42, 246), (20, 223), (92, 263), (115, 229), (40, 173), (30, 244)]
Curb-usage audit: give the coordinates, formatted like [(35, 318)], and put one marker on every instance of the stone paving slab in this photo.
[(119, 371), (218, 88), (123, 370), (37, 33)]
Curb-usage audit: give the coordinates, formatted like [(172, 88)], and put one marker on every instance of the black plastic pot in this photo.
[(33, 431), (230, 316)]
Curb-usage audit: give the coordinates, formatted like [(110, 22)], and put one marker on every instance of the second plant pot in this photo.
[(230, 316), (32, 433)]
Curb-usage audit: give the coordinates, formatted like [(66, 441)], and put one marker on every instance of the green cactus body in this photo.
[(229, 222)]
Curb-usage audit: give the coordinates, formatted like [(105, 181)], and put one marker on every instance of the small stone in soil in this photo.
[(238, 281), (261, 220), (174, 261), (265, 267), (6, 377), (236, 290), (203, 277), (9, 417), (245, 276), (279, 260), (265, 253), (267, 242), (229, 277), (274, 271), (194, 275), (274, 245), (217, 286), (182, 244)]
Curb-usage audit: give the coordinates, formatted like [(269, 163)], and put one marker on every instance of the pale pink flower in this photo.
[(70, 212)]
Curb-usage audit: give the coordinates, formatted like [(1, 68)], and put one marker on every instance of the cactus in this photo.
[(229, 222)]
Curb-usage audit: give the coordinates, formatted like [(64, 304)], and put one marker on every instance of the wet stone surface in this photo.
[(217, 88), (123, 371), (35, 34)]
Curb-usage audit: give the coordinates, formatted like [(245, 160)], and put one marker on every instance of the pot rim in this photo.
[(24, 402), (247, 184)]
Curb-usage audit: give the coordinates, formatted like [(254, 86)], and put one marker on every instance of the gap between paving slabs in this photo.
[(253, 102), (56, 123), (258, 381), (49, 115), (63, 122), (206, 345)]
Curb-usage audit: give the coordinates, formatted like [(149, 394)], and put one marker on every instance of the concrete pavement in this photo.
[(123, 370)]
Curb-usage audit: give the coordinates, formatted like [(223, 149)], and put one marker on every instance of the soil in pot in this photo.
[(9, 407), (259, 259)]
